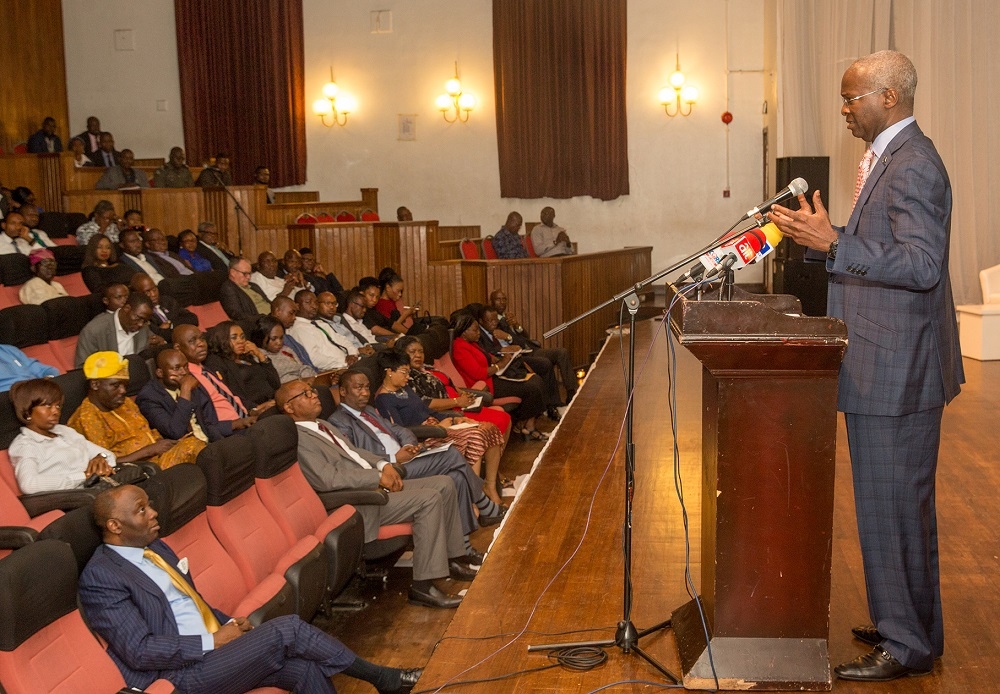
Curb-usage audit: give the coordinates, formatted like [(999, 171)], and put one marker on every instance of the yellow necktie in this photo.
[(211, 623)]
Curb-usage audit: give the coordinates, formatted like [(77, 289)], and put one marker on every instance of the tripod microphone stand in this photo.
[(239, 211)]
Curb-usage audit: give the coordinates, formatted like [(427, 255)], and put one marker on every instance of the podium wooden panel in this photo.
[(172, 209), (769, 427)]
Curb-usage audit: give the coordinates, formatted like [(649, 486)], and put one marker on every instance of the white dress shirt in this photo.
[(345, 444), (47, 464), (126, 341), (36, 291), (324, 355), (146, 266), (18, 245), (272, 287), (359, 327)]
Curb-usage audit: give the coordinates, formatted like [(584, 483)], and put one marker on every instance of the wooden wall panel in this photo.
[(457, 233), (219, 208), (172, 209), (274, 239), (297, 196), (84, 200), (346, 249), (34, 71), (287, 213)]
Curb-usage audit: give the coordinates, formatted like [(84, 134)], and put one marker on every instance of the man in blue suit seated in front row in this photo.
[(140, 598)]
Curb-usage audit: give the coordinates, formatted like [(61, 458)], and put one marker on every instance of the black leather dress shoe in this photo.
[(433, 598), (867, 634), (407, 680), (474, 557), (460, 571), (487, 521), (877, 666)]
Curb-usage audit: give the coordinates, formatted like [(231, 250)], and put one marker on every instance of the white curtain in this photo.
[(952, 45)]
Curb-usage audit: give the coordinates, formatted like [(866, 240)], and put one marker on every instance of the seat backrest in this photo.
[(69, 258), (14, 269), (445, 365), (369, 215), (11, 510), (207, 286), (78, 530), (529, 246), (67, 315), (305, 218), (65, 352), (45, 354), (73, 284), (183, 288), (280, 483), (209, 315), (44, 644), (74, 387), (23, 325), (989, 279), (10, 425), (235, 512), (345, 216), (325, 218), (488, 251), (10, 296), (470, 251)]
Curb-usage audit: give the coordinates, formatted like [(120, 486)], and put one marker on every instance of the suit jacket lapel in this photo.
[(876, 173), (141, 580)]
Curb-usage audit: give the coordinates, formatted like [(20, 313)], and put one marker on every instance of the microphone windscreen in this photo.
[(798, 186), (772, 233)]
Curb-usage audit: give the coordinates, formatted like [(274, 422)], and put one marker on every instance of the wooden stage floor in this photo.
[(557, 564)]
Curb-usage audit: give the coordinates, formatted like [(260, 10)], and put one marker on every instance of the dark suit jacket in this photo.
[(99, 336), (172, 418), (85, 138), (177, 314), (362, 437), (521, 339), (36, 143), (217, 263), (890, 285), (132, 614), (164, 268), (237, 305), (98, 157)]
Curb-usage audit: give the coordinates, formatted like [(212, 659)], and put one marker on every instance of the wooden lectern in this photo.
[(769, 433)]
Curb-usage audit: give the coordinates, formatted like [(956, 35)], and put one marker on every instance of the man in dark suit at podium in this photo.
[(889, 283)]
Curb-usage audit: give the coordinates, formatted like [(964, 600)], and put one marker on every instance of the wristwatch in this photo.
[(831, 254)]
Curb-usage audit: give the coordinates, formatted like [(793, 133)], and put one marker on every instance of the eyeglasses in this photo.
[(311, 392), (244, 273), (848, 102)]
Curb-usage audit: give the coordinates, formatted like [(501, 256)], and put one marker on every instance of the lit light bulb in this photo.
[(346, 103), (466, 102), (677, 80), (689, 94), (444, 102), (322, 107), (667, 95), (330, 90)]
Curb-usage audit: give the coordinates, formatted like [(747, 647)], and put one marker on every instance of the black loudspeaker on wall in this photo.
[(792, 273)]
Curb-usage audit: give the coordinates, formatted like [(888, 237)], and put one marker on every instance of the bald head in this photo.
[(513, 223)]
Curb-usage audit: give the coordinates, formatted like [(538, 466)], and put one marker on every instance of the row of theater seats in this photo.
[(470, 249), (49, 332), (367, 215), (260, 542)]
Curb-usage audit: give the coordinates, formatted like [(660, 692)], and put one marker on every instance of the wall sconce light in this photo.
[(334, 103), (454, 98), (678, 94)]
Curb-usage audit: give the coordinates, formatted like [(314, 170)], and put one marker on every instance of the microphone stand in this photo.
[(239, 211), (627, 636)]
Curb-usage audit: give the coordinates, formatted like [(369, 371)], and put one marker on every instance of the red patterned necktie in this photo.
[(864, 169)]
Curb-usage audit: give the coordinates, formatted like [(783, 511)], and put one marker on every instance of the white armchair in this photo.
[(990, 281)]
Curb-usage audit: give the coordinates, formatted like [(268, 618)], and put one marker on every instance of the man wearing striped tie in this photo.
[(889, 283), (139, 596)]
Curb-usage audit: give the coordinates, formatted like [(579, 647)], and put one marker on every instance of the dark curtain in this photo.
[(559, 74), (242, 85)]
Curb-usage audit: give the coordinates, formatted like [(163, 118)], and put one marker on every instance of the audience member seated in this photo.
[(330, 463), (157, 625), (167, 312), (284, 310), (384, 314), (187, 240), (355, 307), (42, 286), (266, 278), (132, 255), (45, 140), (548, 238), (509, 331), (114, 297), (132, 219), (262, 177), (216, 175), (370, 431), (101, 268), (241, 299), (5, 202), (106, 154), (403, 214), (126, 331), (16, 237), (327, 349), (109, 419), (177, 405), (174, 173), (172, 265), (475, 365), (285, 360), (31, 217), (91, 137), (507, 242), (326, 313), (314, 273), (80, 158), (123, 175), (540, 366), (48, 456), (440, 394), (478, 442), (102, 221), (211, 248), (244, 367), (229, 409), (291, 264), (17, 366)]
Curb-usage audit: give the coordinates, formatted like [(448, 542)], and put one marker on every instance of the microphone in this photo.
[(794, 189), (743, 250), (773, 237)]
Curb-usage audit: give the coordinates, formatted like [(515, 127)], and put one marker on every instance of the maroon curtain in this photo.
[(559, 74), (242, 85)]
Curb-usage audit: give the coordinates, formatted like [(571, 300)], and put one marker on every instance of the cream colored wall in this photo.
[(677, 166), (122, 87)]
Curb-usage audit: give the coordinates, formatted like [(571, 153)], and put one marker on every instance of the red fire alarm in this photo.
[(727, 118)]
